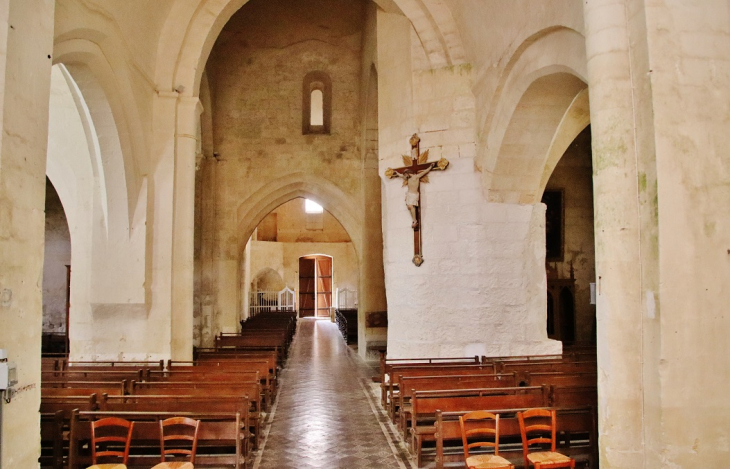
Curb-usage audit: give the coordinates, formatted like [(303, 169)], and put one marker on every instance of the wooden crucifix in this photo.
[(415, 172)]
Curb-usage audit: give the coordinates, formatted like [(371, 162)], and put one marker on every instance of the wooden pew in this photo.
[(52, 440), (56, 414), (250, 345), (387, 363), (391, 389), (91, 375), (220, 441), (577, 431), (66, 404), (211, 355), (425, 404), (411, 384), (203, 375), (65, 364), (557, 377), (178, 403), (560, 365), (82, 388), (265, 367), (250, 390), (230, 359), (572, 396)]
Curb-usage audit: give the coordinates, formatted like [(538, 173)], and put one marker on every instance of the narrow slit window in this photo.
[(316, 103), (317, 110)]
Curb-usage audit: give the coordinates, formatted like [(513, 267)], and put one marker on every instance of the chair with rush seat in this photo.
[(481, 429), (111, 434), (538, 427), (178, 437)]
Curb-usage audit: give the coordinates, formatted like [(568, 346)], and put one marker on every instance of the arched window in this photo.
[(316, 103)]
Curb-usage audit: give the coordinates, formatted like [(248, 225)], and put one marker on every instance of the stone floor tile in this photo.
[(324, 415)]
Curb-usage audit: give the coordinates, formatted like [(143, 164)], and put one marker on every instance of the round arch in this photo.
[(269, 278), (183, 51)]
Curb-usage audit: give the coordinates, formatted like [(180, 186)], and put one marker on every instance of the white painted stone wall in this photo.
[(481, 289), (107, 259)]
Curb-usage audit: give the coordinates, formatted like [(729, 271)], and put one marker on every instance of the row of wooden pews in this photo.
[(424, 397), (229, 389)]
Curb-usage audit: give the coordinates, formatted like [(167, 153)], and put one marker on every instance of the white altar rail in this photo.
[(261, 301)]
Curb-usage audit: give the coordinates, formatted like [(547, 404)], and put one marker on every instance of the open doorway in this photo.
[(315, 286)]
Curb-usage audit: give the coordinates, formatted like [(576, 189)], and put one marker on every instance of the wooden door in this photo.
[(324, 286), (307, 287)]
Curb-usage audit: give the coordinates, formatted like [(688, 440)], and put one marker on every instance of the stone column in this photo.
[(26, 29), (186, 147), (207, 227), (615, 46), (371, 295)]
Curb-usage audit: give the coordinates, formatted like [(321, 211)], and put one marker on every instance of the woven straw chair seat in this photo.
[(487, 461), (547, 457)]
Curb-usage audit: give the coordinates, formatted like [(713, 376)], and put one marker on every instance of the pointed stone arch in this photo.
[(111, 107), (533, 127), (576, 118), (553, 50), (276, 192)]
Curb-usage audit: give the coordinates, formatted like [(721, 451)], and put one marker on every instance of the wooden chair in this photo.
[(488, 436), (176, 431), (110, 430), (537, 427)]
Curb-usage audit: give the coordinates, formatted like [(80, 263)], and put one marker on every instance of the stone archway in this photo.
[(534, 125), (88, 171), (183, 51), (551, 51)]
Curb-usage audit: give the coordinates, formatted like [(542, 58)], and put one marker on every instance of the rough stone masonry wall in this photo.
[(256, 71), (57, 256), (292, 225)]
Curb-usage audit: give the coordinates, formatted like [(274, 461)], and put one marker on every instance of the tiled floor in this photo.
[(326, 414)]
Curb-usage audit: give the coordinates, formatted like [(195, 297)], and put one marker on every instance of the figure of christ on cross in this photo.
[(413, 194), (413, 174)]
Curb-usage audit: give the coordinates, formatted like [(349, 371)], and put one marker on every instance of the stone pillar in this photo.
[(689, 69), (26, 29), (615, 46), (183, 232), (371, 295), (208, 277), (482, 287)]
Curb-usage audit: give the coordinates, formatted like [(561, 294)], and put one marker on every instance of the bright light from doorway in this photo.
[(310, 206)]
